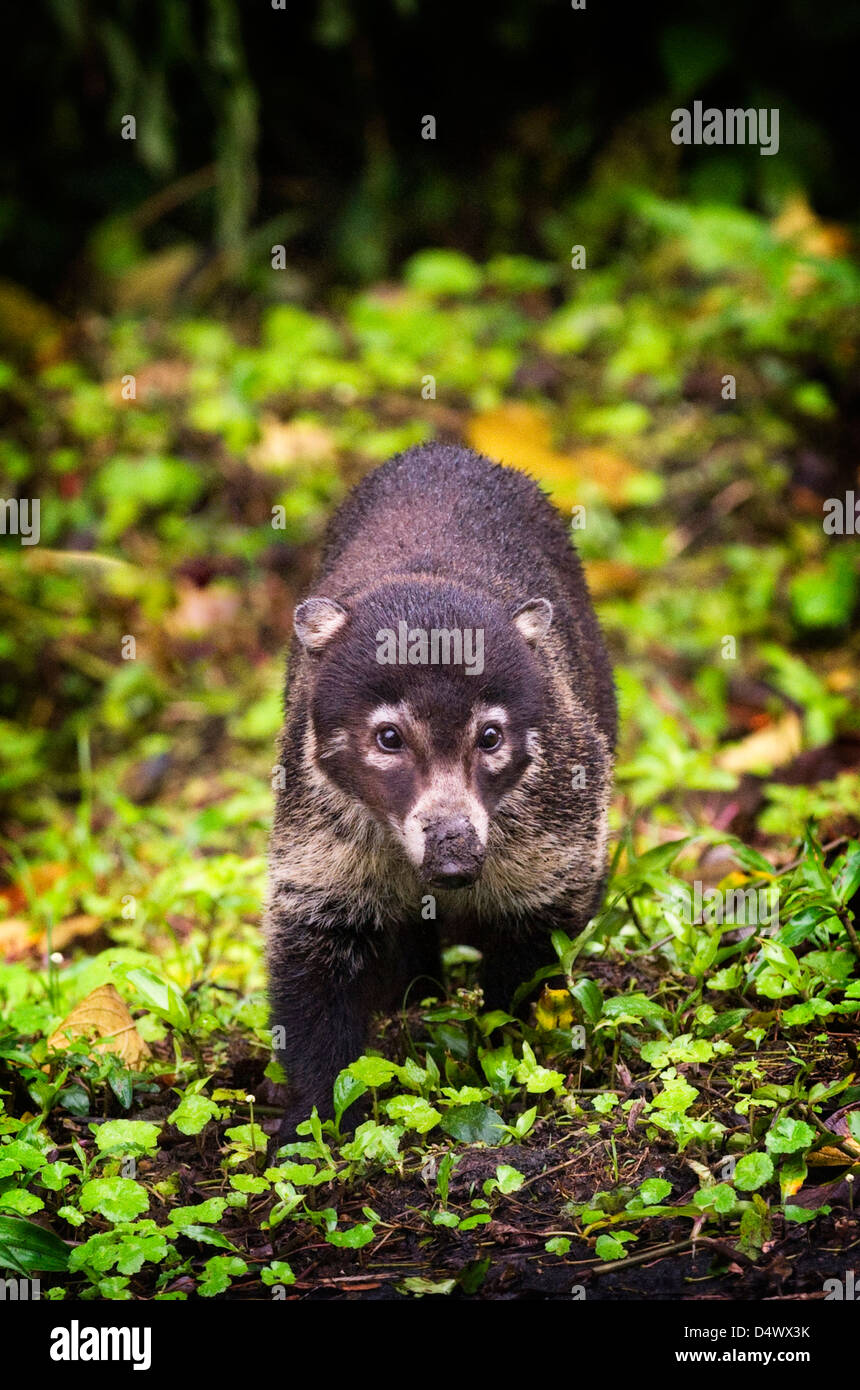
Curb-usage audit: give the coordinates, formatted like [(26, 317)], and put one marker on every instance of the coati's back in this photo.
[(444, 510)]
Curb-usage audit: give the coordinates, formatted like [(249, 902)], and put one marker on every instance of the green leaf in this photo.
[(657, 859), (354, 1238), (824, 595), (634, 1006), (127, 1247), (415, 1284), (750, 858), (220, 1271), (470, 1222), (127, 1136), (783, 960), (19, 1155), (445, 1218), (116, 1199), (278, 1272), (587, 994), (208, 1212), (557, 1245), (474, 1124), (162, 996), (72, 1215), (443, 1175), (373, 1071), (443, 272), (374, 1142), (653, 1190), (204, 1235), (509, 1179), (791, 1212), (247, 1182), (26, 1247), (499, 1067), (787, 1136), (21, 1201), (537, 1079), (54, 1176), (347, 1089), (525, 1122), (412, 1111), (193, 1113), (752, 1172), (720, 1197), (608, 1248)]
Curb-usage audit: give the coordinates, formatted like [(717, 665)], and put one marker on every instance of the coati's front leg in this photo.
[(418, 966), (513, 954), (324, 986), (326, 983), (510, 961)]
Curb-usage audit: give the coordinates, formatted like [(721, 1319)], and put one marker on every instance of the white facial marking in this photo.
[(389, 714), (490, 714), (376, 758), (336, 743), (447, 795), (493, 714), (400, 716)]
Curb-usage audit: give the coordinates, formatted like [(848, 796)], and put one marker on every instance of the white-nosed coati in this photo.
[(450, 728)]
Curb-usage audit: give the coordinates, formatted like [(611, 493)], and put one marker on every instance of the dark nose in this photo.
[(453, 854)]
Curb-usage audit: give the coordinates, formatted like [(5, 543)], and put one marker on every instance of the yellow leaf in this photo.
[(72, 929), (790, 1183), (103, 1015), (520, 434), (798, 224), (611, 577), (554, 1009), (841, 681), (29, 328), (827, 1158), (154, 282), (765, 749), (289, 444), (40, 879), (19, 938), (15, 938)]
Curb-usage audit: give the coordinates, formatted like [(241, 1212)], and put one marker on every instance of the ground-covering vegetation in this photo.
[(680, 1113)]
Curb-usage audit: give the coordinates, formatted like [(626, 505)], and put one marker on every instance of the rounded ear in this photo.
[(316, 621), (534, 619)]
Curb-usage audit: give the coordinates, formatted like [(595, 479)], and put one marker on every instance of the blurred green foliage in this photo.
[(257, 125), (183, 516)]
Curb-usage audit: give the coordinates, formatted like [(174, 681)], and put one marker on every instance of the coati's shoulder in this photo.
[(450, 482)]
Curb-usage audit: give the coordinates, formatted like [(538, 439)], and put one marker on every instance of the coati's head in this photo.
[(426, 707)]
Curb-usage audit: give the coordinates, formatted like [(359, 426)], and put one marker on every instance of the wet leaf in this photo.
[(103, 1017)]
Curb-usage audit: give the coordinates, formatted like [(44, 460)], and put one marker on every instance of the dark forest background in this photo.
[(302, 124)]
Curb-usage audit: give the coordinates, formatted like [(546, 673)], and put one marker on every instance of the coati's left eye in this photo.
[(389, 739), (490, 738)]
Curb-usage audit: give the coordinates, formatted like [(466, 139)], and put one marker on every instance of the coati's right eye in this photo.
[(389, 739), (490, 739)]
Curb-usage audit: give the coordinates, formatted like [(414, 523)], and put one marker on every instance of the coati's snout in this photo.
[(453, 854)]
